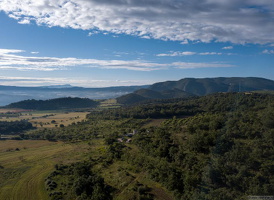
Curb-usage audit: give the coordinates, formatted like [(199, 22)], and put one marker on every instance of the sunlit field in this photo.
[(46, 119), (25, 164)]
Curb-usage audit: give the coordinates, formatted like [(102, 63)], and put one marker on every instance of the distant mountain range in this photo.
[(10, 94), (58, 86), (188, 87), (183, 88)]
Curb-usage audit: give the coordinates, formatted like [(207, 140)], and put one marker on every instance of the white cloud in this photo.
[(187, 53), (210, 53), (45, 81), (14, 16), (187, 65), (10, 51), (34, 52), (40, 80), (146, 37), (177, 53), (248, 21), (185, 42), (9, 60), (266, 51), (24, 21), (228, 47), (93, 33)]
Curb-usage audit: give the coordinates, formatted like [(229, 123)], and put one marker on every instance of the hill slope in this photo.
[(204, 86), (54, 104), (197, 87), (147, 94)]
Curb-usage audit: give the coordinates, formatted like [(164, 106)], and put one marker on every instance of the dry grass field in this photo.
[(25, 164), (15, 110), (59, 118), (45, 118)]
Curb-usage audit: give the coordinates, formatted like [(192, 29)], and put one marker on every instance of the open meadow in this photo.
[(25, 164)]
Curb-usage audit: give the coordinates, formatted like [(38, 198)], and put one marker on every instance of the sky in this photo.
[(101, 43)]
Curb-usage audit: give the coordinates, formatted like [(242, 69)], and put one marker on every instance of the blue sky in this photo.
[(94, 43)]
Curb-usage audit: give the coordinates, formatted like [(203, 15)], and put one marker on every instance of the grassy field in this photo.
[(15, 110), (45, 118), (25, 164), (109, 103)]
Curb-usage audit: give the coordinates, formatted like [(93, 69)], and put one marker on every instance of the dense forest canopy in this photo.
[(54, 104), (14, 127)]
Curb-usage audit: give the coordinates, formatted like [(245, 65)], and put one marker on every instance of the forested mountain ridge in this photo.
[(54, 104), (188, 87), (204, 86)]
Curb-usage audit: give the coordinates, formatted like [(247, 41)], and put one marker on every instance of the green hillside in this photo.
[(145, 95)]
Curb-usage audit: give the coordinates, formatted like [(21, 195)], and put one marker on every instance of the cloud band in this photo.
[(10, 60), (248, 21)]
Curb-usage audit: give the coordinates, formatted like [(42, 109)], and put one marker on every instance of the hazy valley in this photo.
[(11, 94)]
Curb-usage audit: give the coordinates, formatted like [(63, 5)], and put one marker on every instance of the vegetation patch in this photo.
[(76, 181)]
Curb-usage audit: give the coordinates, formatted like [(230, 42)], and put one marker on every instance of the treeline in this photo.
[(55, 104), (14, 127), (81, 131)]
